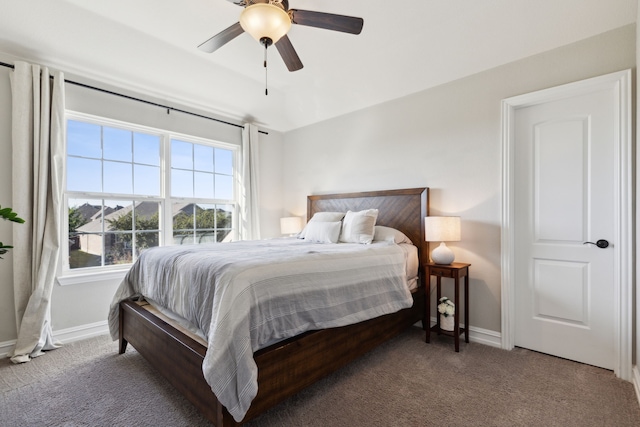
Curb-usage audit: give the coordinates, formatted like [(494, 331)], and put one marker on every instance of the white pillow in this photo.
[(388, 234), (322, 217), (322, 232), (358, 227)]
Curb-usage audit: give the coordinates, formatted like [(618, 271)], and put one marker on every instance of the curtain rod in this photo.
[(166, 107)]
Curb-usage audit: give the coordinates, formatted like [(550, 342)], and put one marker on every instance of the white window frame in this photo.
[(67, 276)]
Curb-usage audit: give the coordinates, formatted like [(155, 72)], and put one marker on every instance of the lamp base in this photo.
[(442, 254)]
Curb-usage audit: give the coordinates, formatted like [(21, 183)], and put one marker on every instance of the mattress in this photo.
[(185, 326)]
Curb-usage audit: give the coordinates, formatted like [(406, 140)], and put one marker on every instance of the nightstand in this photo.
[(455, 271)]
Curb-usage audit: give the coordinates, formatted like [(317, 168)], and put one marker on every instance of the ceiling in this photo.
[(407, 46)]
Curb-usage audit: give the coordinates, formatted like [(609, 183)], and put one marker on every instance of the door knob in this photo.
[(600, 243)]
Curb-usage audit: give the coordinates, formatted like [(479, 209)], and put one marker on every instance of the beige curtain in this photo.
[(38, 155), (249, 200)]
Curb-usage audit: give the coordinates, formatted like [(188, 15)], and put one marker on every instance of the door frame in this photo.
[(623, 254)]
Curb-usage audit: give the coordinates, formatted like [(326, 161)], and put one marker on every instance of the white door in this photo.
[(566, 191)]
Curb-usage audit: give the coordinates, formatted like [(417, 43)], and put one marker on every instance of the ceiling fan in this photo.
[(268, 21)]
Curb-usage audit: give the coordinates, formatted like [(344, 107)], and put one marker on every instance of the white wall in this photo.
[(74, 306), (448, 139)]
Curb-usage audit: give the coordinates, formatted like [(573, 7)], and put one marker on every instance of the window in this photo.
[(204, 173), (130, 188)]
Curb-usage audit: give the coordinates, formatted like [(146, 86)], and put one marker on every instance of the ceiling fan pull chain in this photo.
[(266, 91)]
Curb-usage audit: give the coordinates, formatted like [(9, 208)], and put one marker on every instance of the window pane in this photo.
[(146, 149), (118, 178), (208, 236), (118, 248), (85, 238), (117, 144), (145, 241), (205, 217), (183, 216), (118, 215), (181, 183), (83, 139), (224, 216), (182, 237), (111, 206), (88, 252), (224, 161), (203, 185), (82, 212), (84, 175), (146, 180), (85, 216), (181, 154), (224, 187), (203, 158), (147, 215)]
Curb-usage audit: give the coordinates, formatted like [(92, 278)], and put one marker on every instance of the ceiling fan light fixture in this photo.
[(264, 20)]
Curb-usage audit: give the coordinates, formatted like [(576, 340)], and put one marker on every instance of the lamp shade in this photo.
[(442, 228), (265, 20), (290, 225)]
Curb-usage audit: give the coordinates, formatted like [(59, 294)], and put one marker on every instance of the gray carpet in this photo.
[(406, 382)]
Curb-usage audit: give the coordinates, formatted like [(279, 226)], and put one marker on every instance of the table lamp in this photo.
[(290, 225), (442, 229)]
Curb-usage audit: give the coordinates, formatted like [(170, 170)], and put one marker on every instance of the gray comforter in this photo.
[(247, 295)]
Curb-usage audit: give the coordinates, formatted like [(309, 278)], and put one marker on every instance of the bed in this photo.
[(287, 366)]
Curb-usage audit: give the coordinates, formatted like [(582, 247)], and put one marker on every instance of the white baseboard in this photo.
[(481, 336), (485, 336), (65, 336), (82, 332), (635, 374), (6, 347)]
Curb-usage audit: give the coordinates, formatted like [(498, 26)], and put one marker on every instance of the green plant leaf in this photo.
[(9, 214)]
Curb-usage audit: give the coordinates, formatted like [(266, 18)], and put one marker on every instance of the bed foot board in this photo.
[(292, 365), (162, 346), (283, 369)]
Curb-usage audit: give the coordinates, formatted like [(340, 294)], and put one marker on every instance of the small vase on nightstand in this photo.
[(447, 309), (446, 323)]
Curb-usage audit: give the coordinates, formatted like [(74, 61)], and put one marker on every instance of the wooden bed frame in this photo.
[(291, 365)]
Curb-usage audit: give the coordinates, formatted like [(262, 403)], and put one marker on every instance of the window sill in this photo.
[(94, 276)]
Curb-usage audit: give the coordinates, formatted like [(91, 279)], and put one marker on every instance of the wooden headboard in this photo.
[(403, 210)]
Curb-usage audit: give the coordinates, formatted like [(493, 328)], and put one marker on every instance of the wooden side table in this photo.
[(456, 271)]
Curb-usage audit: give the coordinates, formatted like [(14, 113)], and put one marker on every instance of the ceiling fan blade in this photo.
[(222, 38), (288, 53), (327, 21)]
